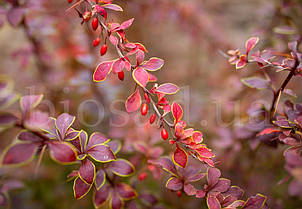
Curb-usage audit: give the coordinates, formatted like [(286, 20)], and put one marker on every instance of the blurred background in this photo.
[(51, 53)]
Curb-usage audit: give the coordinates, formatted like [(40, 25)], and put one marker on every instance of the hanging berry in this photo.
[(103, 49), (95, 23), (96, 42), (142, 176), (164, 134), (147, 97), (144, 109), (121, 75), (70, 1), (152, 118)]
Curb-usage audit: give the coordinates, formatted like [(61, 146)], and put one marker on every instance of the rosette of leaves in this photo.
[(29, 142), (99, 149)]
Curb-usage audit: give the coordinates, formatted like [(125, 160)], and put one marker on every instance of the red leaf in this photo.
[(174, 184), (152, 78), (133, 102), (268, 131), (19, 153), (167, 88), (250, 44), (101, 153), (122, 167), (125, 191), (101, 196), (62, 152), (205, 152), (180, 157), (197, 137), (153, 64), (241, 62), (116, 202), (213, 202), (80, 188), (113, 7), (87, 171), (102, 70), (100, 179), (140, 76), (177, 112), (126, 24), (118, 66), (113, 40), (140, 56)]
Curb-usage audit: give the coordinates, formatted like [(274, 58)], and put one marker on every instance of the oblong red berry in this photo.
[(152, 118), (121, 75), (144, 109), (95, 23), (103, 49), (147, 97), (70, 1), (164, 134), (96, 42)]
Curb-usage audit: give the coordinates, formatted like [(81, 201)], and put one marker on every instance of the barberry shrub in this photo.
[(115, 173)]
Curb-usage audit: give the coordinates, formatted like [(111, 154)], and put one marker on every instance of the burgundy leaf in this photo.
[(37, 120), (7, 119), (255, 202), (133, 102), (213, 175), (222, 185), (19, 153), (96, 138), (256, 82), (121, 167), (87, 171), (174, 184), (189, 189), (101, 153), (29, 136), (62, 152), (100, 179), (116, 202), (125, 191), (83, 138), (213, 202), (80, 188), (63, 123), (167, 165), (115, 146), (101, 196), (235, 191)]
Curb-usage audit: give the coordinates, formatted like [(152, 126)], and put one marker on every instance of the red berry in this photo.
[(95, 23), (142, 176), (172, 141), (147, 97), (70, 1), (178, 193), (121, 75), (164, 134), (152, 118), (96, 42), (103, 49), (144, 109)]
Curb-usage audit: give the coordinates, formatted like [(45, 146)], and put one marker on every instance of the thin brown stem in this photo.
[(39, 160)]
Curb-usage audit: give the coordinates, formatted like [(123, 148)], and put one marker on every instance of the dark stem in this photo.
[(277, 94)]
